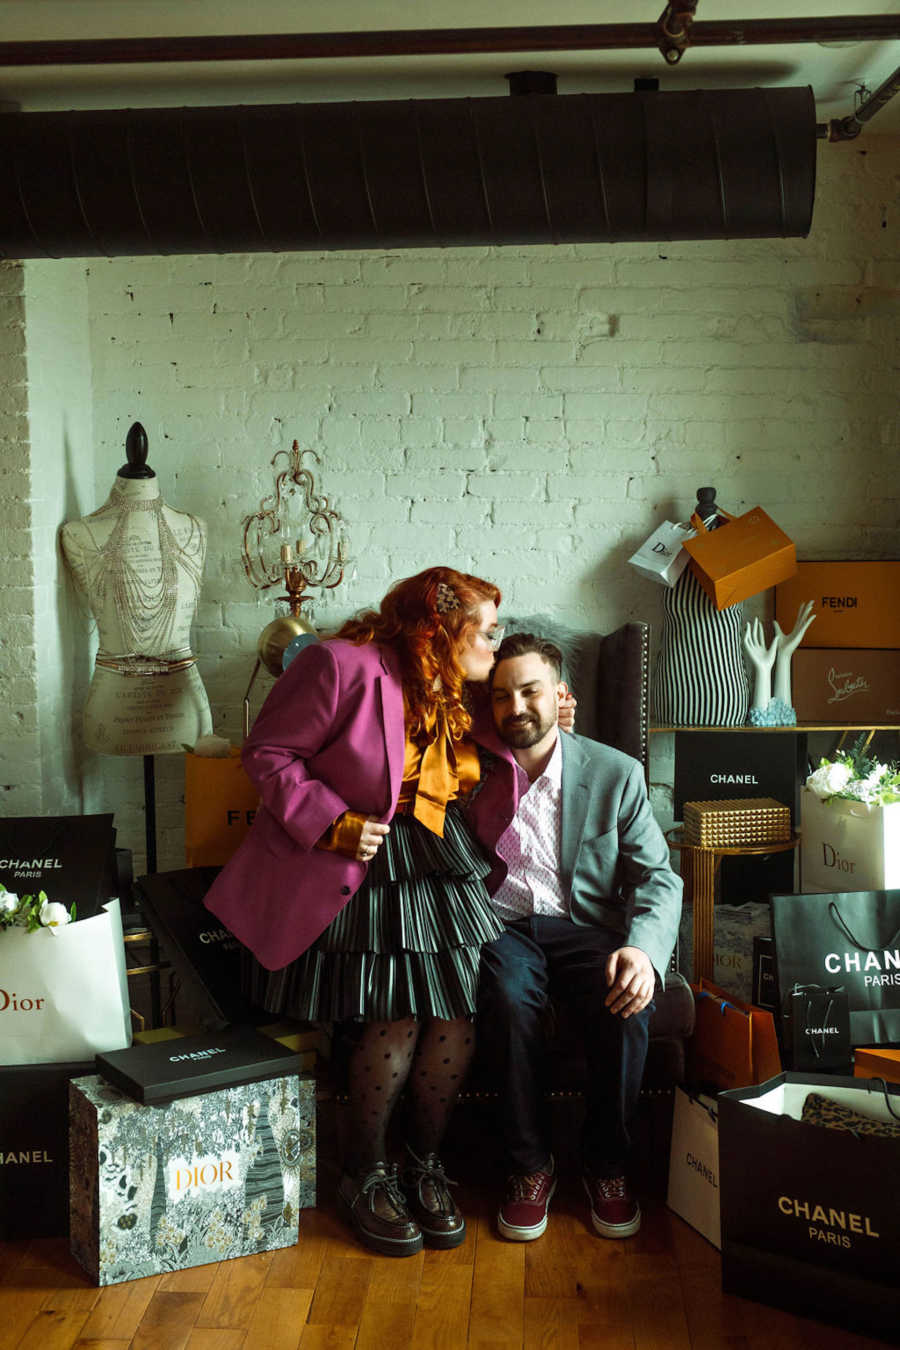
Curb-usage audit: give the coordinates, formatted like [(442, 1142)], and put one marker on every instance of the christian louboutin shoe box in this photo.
[(855, 685), (202, 1159)]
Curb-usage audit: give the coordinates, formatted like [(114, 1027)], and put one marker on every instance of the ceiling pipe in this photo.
[(848, 128), (440, 41)]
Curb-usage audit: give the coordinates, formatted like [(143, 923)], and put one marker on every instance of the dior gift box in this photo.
[(219, 1172)]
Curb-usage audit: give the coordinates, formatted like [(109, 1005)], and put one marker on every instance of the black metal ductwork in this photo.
[(538, 169)]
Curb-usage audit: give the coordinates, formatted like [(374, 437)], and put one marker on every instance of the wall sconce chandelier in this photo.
[(312, 553)]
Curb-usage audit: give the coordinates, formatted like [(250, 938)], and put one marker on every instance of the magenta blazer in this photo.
[(329, 738)]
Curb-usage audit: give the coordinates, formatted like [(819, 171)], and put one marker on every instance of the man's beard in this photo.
[(521, 732)]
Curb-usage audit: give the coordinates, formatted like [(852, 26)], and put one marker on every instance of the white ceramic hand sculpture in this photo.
[(762, 658), (771, 706), (787, 645)]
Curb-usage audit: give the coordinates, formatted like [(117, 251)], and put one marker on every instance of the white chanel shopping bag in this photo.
[(662, 557), (694, 1164), (64, 990)]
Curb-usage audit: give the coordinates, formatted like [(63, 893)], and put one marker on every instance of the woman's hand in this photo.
[(371, 839), (567, 705)]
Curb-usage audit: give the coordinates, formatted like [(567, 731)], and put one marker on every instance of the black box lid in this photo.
[(185, 1066)]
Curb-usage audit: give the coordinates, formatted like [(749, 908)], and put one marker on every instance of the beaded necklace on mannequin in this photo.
[(145, 606)]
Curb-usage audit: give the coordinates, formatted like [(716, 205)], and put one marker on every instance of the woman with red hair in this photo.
[(360, 890)]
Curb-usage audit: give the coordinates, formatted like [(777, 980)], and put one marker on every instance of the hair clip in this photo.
[(447, 599)]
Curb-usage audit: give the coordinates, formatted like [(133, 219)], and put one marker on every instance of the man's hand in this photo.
[(371, 839), (631, 979), (566, 708)]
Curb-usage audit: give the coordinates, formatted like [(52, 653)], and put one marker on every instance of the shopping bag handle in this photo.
[(694, 1098), (842, 925), (701, 527), (887, 1100)]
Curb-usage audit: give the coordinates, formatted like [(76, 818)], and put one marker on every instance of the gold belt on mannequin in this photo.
[(132, 664)]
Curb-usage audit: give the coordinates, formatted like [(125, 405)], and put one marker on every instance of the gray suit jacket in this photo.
[(614, 859)]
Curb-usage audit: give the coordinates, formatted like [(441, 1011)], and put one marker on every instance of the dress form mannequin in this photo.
[(699, 678), (139, 564)]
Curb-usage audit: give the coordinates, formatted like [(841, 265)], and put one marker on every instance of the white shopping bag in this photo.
[(662, 557), (694, 1164), (847, 845), (64, 991)]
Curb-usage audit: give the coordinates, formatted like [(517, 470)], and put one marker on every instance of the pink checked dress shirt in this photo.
[(530, 847)]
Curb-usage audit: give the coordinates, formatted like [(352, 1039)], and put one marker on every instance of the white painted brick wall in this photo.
[(526, 413)]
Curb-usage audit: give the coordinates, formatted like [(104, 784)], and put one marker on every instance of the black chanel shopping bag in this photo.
[(818, 1027), (809, 1169), (850, 939)]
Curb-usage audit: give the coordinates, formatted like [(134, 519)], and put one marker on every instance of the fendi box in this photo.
[(857, 604), (34, 1149), (163, 1071), (206, 956), (718, 765), (847, 686), (205, 1178), (72, 858)]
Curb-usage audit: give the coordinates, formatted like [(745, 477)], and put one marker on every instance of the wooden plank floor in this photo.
[(568, 1291)]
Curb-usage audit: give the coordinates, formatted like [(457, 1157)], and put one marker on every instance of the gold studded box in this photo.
[(730, 823), (204, 1178)]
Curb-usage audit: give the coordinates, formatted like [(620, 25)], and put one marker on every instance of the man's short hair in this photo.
[(523, 644)]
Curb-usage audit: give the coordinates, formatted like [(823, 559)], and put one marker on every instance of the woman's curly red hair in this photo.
[(426, 641)]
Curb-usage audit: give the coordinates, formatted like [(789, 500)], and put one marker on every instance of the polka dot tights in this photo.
[(429, 1058)]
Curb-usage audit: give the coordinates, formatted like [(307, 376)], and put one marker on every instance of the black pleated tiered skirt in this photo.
[(407, 944)]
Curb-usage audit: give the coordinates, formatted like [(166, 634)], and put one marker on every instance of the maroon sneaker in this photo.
[(614, 1211), (523, 1213)]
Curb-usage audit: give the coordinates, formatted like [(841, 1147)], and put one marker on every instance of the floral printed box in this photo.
[(202, 1179)]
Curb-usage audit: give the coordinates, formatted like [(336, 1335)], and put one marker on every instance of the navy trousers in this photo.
[(535, 958)]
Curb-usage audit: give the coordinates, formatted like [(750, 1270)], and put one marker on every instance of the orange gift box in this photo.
[(874, 1061), (857, 604), (746, 555)]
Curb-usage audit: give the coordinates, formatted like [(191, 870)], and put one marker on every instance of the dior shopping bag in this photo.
[(693, 1191), (733, 1043), (852, 939), (810, 1212), (662, 558), (848, 843), (818, 1028), (64, 991), (746, 555)]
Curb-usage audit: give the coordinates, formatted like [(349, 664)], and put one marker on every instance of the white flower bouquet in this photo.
[(32, 912), (853, 776)]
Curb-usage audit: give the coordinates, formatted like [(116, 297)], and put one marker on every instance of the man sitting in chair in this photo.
[(591, 905)]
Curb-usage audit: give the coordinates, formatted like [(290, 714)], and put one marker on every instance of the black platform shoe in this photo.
[(376, 1208), (428, 1199)]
